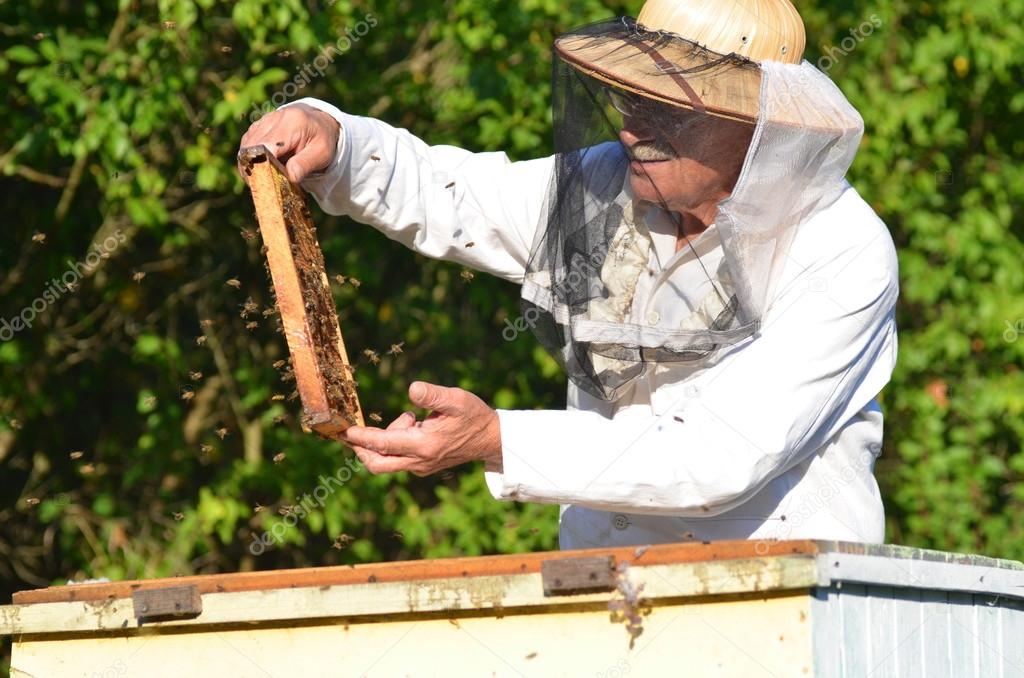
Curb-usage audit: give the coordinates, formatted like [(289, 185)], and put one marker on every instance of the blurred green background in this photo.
[(131, 447)]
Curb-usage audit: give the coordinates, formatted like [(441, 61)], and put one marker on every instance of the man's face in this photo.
[(685, 158)]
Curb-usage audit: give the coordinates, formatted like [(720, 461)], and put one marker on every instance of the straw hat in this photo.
[(699, 54)]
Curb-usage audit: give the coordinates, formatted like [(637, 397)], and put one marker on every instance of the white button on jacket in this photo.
[(775, 439)]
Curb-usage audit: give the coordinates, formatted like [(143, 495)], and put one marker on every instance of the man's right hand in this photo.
[(304, 138)]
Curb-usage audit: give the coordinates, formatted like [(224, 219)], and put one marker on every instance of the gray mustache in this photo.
[(648, 151)]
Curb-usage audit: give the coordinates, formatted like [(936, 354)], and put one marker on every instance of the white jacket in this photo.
[(777, 439)]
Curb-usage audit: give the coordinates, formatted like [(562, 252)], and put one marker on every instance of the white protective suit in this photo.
[(776, 439)]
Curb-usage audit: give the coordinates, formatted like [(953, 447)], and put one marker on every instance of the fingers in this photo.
[(433, 397), (380, 463), (405, 442)]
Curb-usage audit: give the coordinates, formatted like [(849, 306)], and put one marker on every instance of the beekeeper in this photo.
[(720, 297)]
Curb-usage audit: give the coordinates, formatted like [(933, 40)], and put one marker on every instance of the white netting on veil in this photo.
[(585, 278)]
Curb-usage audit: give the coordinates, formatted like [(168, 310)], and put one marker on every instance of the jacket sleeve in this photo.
[(827, 347), (477, 209)]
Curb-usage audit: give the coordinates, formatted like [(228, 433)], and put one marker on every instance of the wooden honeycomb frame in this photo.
[(323, 375)]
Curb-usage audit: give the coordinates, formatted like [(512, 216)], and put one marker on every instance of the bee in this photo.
[(277, 397), (32, 501), (396, 348), (280, 363), (221, 433), (371, 355), (39, 36), (206, 449), (397, 534), (178, 517), (168, 25), (206, 322), (149, 401), (248, 308), (531, 655), (251, 325), (293, 395), (342, 541), (470, 244), (340, 279), (225, 49), (248, 235), (39, 237), (451, 185), (280, 419), (72, 286), (288, 375), (466, 275), (15, 424), (187, 394), (87, 469), (354, 282), (447, 475), (195, 376), (77, 454), (201, 341), (279, 457), (234, 282), (257, 508), (138, 276), (375, 158), (374, 417), (269, 311), (284, 54), (286, 510)]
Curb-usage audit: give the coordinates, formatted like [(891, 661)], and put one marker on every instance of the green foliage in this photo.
[(121, 126)]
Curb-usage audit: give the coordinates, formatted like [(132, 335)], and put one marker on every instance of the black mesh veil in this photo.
[(608, 290)]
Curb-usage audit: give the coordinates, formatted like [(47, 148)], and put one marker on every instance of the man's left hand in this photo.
[(460, 428)]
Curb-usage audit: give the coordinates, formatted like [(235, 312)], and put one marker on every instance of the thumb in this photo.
[(433, 397), (309, 159)]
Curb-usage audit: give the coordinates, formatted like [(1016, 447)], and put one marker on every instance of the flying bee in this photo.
[(293, 395), (234, 282), (247, 308), (32, 501), (342, 541), (450, 185), (39, 237), (201, 341), (284, 54), (286, 510), (397, 534), (77, 454), (187, 394), (470, 244), (280, 419), (280, 363), (396, 348), (466, 275), (354, 282), (221, 433), (138, 276), (206, 449), (206, 322), (340, 279), (248, 235), (195, 376), (277, 397), (279, 457), (269, 311), (375, 158), (168, 25), (257, 508), (225, 49), (251, 325), (179, 516), (371, 355), (15, 424), (288, 375), (374, 417), (447, 475), (87, 469)]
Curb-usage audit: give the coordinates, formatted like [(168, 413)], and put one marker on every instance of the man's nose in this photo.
[(632, 133)]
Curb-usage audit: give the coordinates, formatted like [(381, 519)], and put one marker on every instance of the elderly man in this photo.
[(720, 298)]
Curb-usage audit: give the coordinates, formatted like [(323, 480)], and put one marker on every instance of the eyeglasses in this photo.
[(635, 106)]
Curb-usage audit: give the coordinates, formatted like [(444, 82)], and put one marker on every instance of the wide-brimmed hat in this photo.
[(702, 55)]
